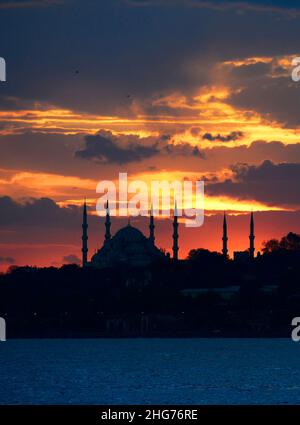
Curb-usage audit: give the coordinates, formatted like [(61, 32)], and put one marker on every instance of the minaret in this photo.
[(107, 224), (84, 236), (225, 238), (175, 234), (151, 226), (251, 237)]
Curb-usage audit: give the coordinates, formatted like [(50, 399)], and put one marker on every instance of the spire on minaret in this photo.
[(175, 233), (151, 226), (84, 236), (107, 224), (251, 237), (225, 238)]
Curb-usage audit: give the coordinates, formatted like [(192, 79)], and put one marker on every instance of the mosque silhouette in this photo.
[(129, 246)]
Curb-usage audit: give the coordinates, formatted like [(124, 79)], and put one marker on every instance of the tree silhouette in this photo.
[(290, 242)]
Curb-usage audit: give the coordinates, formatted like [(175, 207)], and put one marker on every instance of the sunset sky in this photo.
[(172, 89)]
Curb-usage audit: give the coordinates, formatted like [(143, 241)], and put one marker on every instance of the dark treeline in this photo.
[(204, 295)]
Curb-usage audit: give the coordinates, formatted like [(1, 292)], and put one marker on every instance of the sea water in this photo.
[(150, 371)]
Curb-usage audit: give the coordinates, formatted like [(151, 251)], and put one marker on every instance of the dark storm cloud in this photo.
[(264, 87), (95, 70), (52, 153), (43, 212), (7, 260), (267, 171), (278, 98), (144, 52), (106, 148), (273, 184), (234, 135)]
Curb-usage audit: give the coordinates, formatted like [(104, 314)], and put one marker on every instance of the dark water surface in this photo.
[(157, 371)]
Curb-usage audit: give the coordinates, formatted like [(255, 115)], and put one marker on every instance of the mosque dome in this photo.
[(129, 234), (128, 246)]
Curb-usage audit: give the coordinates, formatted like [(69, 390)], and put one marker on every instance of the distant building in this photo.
[(128, 246), (241, 256)]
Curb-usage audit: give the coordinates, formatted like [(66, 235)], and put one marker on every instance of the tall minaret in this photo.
[(84, 236), (107, 224), (251, 237), (151, 226), (175, 234), (225, 238)]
